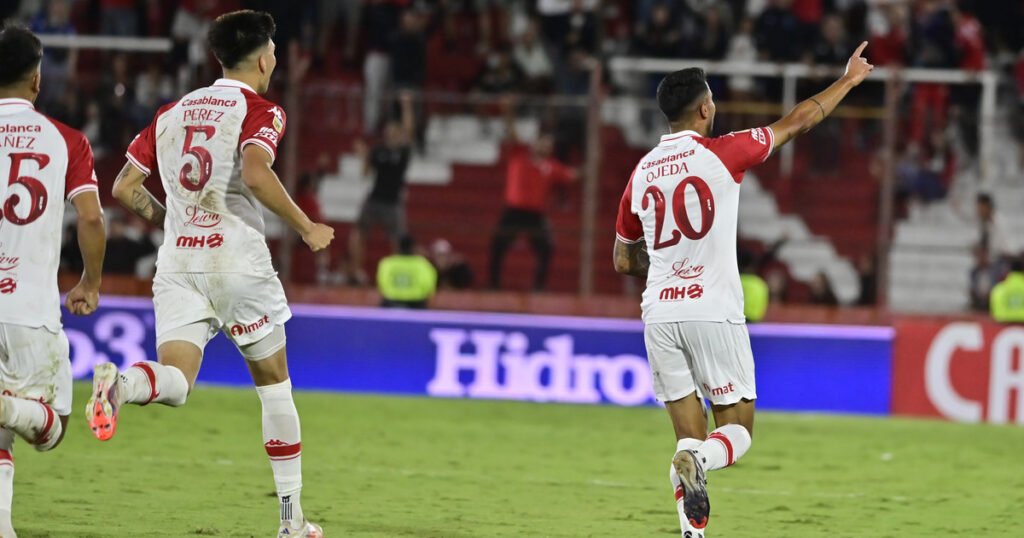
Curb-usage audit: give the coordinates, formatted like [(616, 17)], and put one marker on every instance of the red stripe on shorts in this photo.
[(728, 446)]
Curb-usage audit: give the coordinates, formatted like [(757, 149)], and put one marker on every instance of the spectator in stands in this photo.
[(932, 40), (500, 75), (189, 27), (983, 276), (712, 41), (917, 180), (307, 197), (409, 64), (776, 32), (118, 18), (381, 23), (406, 279), (128, 245), (1007, 302), (58, 62), (867, 273), (153, 88), (384, 208), (93, 130), (970, 48), (995, 235), (533, 60), (742, 50), (821, 291), (531, 172), (755, 290), (659, 36), (453, 271)]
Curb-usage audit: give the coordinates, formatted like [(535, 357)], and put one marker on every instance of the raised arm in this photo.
[(813, 111), (92, 241), (631, 258), (133, 195), (259, 176)]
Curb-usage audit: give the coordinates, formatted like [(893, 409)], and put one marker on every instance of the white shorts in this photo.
[(34, 364), (710, 357), (245, 307)]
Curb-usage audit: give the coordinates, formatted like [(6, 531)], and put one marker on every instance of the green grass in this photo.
[(390, 467)]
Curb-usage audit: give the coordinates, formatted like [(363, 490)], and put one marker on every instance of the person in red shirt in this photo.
[(531, 172)]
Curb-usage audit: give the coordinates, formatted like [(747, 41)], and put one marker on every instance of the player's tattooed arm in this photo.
[(631, 258), (133, 195), (814, 110)]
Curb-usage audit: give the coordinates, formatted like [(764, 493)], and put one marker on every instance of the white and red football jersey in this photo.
[(42, 163), (214, 223), (683, 200)]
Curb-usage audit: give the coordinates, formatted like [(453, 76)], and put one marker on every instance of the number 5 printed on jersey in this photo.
[(678, 209), (190, 178), (35, 188)]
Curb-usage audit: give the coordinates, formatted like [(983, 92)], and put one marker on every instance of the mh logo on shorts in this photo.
[(199, 241), (238, 329), (8, 286), (680, 293)]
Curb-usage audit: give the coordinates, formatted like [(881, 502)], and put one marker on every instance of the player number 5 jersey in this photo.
[(42, 163), (214, 223), (683, 202)]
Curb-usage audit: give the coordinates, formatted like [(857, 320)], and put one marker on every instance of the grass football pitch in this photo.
[(392, 467)]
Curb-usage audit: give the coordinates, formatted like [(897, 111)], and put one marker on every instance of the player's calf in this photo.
[(36, 422)]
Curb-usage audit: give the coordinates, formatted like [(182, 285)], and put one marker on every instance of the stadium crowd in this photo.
[(537, 47)]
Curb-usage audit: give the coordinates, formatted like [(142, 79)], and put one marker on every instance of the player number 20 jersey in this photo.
[(683, 201), (42, 163), (214, 223)]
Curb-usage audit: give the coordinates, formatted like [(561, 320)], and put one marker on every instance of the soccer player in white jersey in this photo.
[(213, 151), (42, 163), (676, 227)]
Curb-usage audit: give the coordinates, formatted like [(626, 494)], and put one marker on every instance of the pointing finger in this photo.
[(860, 49)]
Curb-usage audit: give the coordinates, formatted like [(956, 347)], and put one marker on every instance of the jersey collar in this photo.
[(14, 104), (675, 137), (231, 83)]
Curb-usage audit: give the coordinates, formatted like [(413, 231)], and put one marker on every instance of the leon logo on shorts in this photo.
[(238, 329), (8, 263)]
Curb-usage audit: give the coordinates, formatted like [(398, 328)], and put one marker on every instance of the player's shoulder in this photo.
[(753, 135), (73, 137)]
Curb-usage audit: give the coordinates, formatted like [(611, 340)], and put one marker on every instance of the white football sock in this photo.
[(282, 440), (34, 421), (724, 447), (150, 381), (6, 477)]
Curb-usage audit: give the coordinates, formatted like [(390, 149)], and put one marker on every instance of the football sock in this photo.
[(6, 477), (282, 440), (724, 447), (150, 381), (677, 484), (34, 421)]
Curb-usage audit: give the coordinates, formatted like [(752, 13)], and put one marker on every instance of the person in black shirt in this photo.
[(384, 208)]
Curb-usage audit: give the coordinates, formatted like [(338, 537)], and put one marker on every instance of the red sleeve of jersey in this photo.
[(263, 125), (628, 228), (142, 151), (741, 150), (81, 174)]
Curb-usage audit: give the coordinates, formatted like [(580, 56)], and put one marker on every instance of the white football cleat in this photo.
[(307, 530)]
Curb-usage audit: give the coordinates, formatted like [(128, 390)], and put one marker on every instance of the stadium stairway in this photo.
[(456, 192), (932, 253)]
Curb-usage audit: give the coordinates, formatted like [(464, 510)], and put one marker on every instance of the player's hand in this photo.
[(83, 299), (318, 237), (857, 68)]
